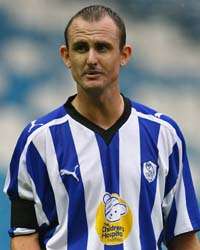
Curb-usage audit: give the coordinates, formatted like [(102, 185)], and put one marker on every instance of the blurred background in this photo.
[(164, 71)]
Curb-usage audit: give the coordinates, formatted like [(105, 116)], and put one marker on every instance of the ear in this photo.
[(123, 209), (126, 53), (106, 197), (64, 53)]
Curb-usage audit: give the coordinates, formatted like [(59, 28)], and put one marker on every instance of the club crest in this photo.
[(149, 171)]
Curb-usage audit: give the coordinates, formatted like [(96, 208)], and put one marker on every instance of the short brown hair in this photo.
[(95, 13)]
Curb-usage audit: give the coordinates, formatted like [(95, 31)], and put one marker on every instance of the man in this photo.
[(101, 172)]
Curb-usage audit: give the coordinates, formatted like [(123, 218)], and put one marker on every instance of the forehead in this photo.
[(104, 29)]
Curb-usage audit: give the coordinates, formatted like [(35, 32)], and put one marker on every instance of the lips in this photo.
[(92, 72)]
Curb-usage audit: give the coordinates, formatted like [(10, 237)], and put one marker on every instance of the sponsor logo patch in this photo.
[(113, 220)]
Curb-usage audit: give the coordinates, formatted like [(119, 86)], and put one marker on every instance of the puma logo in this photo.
[(67, 172), (34, 124)]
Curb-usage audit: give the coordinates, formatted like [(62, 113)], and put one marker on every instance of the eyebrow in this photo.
[(78, 43), (84, 42), (104, 43)]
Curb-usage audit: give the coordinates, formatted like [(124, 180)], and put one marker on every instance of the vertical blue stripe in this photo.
[(38, 172), (67, 159), (160, 240), (191, 200), (149, 132), (14, 166), (173, 170), (170, 222), (114, 163), (110, 163), (104, 154)]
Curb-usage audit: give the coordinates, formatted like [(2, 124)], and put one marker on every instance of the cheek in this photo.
[(114, 69), (114, 64), (76, 69), (77, 62)]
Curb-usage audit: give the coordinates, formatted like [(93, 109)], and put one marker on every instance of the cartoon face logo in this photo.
[(113, 219), (113, 208)]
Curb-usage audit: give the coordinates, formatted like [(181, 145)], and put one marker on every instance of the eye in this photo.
[(80, 47), (102, 47)]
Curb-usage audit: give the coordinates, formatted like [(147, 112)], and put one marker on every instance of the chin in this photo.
[(92, 88), (93, 84)]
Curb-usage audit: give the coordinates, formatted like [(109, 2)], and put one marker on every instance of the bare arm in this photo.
[(28, 242), (187, 241)]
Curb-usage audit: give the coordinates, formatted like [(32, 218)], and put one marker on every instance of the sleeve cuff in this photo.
[(20, 231)]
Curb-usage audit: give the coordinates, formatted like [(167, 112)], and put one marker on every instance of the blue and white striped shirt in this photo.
[(128, 187)]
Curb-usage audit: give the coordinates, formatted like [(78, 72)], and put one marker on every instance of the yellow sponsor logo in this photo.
[(113, 220)]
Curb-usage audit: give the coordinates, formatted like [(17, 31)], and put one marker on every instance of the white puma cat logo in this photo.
[(67, 172), (33, 124)]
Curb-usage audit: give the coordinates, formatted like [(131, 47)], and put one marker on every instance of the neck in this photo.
[(103, 110)]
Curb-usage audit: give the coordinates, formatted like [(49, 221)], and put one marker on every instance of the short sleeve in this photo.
[(18, 187), (180, 206)]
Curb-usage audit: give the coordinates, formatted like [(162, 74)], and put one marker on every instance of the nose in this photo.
[(92, 57)]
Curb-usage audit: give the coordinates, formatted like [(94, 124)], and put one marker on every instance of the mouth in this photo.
[(92, 73)]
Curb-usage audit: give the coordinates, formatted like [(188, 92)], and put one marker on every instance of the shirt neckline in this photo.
[(106, 134)]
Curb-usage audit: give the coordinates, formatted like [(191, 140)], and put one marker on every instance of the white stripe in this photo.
[(44, 144), (23, 176), (157, 120), (7, 181), (24, 179), (130, 175), (165, 145), (40, 214), (156, 214), (92, 177), (167, 202), (183, 222), (26, 187)]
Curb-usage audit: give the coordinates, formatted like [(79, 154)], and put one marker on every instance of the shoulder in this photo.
[(164, 121), (39, 125)]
